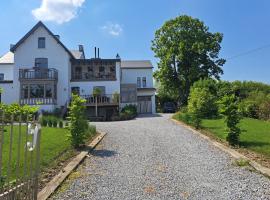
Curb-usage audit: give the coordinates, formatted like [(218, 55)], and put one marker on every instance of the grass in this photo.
[(54, 143), (255, 134)]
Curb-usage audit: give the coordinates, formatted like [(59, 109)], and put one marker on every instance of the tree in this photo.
[(230, 109), (187, 52)]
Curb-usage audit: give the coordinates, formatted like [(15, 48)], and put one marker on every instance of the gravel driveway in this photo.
[(153, 158)]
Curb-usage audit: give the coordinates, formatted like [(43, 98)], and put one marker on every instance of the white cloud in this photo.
[(113, 29), (59, 11)]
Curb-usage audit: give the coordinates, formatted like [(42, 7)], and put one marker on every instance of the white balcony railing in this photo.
[(38, 101)]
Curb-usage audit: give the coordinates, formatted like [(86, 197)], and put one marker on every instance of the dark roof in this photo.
[(40, 24)]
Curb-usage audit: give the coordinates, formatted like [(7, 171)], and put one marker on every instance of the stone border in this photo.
[(235, 154), (51, 187)]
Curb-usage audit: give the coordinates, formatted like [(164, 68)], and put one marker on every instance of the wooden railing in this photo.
[(87, 76), (106, 99), (38, 101), (38, 73)]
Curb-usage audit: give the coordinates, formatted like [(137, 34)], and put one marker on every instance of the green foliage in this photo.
[(61, 124), (209, 86), (17, 112), (187, 52), (230, 109), (78, 122), (184, 117), (200, 103), (116, 97), (97, 92), (128, 112)]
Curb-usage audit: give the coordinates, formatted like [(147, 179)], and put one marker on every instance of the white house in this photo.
[(40, 69)]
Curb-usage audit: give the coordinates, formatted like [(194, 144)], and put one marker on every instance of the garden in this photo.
[(60, 139)]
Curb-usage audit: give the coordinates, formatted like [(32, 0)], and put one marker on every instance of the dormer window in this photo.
[(41, 42)]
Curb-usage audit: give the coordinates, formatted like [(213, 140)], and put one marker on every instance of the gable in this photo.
[(32, 31)]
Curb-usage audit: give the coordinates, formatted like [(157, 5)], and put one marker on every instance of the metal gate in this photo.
[(19, 156)]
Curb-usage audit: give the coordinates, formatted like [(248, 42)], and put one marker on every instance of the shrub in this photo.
[(78, 122), (128, 112), (92, 129), (50, 122), (184, 117), (54, 122), (43, 121), (199, 103), (61, 124), (229, 108)]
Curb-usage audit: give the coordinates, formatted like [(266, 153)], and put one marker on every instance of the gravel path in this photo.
[(153, 158)]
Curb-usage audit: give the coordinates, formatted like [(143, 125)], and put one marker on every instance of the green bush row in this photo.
[(51, 121)]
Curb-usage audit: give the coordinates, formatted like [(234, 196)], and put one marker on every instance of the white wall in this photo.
[(86, 88), (7, 70), (7, 96), (130, 76), (58, 58)]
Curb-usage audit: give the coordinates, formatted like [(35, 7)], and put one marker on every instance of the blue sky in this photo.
[(127, 27)]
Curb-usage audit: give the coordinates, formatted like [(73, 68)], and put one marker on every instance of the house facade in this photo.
[(39, 69)]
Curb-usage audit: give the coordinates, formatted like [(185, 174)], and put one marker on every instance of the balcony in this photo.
[(86, 76), (38, 101), (38, 74), (102, 100)]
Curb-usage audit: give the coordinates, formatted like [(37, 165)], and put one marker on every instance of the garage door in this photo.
[(144, 104)]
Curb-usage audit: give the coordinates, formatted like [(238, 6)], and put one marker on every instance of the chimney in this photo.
[(95, 52), (98, 53), (57, 36), (81, 48), (118, 56), (11, 46)]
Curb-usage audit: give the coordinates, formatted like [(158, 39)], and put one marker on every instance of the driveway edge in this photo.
[(51, 187), (235, 154)]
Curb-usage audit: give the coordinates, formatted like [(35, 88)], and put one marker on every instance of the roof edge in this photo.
[(40, 24)]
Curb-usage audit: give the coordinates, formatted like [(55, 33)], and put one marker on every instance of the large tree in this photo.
[(187, 51)]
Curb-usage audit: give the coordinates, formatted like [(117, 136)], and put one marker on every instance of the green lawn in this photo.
[(255, 135), (54, 143)]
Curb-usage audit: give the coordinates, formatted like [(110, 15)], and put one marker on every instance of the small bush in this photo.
[(79, 124), (50, 122), (128, 112), (184, 117), (61, 124), (92, 129), (44, 121), (54, 122), (200, 103)]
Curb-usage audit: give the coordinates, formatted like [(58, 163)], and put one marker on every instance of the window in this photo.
[(2, 77), (112, 69), (139, 82), (90, 69), (24, 93), (144, 81), (101, 69), (36, 91), (41, 62), (48, 91), (75, 90), (41, 42)]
